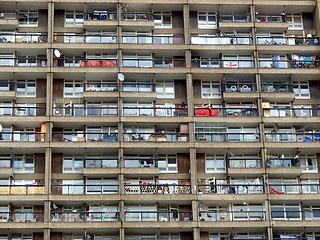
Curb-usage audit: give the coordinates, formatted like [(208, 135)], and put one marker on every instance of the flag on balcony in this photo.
[(272, 190)]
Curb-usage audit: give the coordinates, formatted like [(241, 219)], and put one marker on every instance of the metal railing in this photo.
[(101, 162), (85, 38), (287, 215), (156, 137), (7, 85), (85, 137), (271, 18), (234, 17), (101, 15), (230, 189), (293, 112), (84, 216), (283, 162), (245, 163), (227, 137), (158, 216), (22, 216), (294, 188), (85, 111), (22, 136), (84, 62), (8, 15), (277, 40), (70, 189), (138, 87), (22, 111), (226, 112), (157, 188), (306, 63), (221, 216), (292, 137), (155, 111), (100, 86), (223, 40), (221, 63), (142, 162), (23, 37), (5, 162), (277, 87), (22, 189), (137, 16), (153, 62), (152, 39), (239, 87), (23, 62)]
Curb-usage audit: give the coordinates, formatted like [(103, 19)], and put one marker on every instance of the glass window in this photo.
[(24, 163), (167, 163), (295, 21), (210, 89), (73, 19), (72, 187), (215, 163), (73, 88), (26, 88), (301, 90), (162, 20), (165, 89), (72, 164), (207, 20), (28, 18)]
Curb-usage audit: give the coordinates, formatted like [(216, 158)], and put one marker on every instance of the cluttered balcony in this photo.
[(94, 19), (84, 216), (222, 63), (280, 90), (22, 216), (23, 37), (231, 188), (272, 22), (288, 40), (22, 111), (294, 62), (156, 188), (161, 136), (22, 189), (80, 62), (226, 112)]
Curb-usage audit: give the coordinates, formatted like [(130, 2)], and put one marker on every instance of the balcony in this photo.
[(290, 41), (23, 37), (220, 40), (85, 62), (157, 188), (137, 19), (227, 137), (226, 216), (85, 38), (103, 19), (84, 216), (226, 112), (22, 217), (293, 137), (152, 39), (244, 163), (19, 136), (7, 89), (156, 137), (22, 111), (271, 22), (100, 86), (23, 62), (155, 111), (85, 111), (104, 162), (158, 216), (308, 62), (153, 62), (235, 21), (8, 20), (98, 189), (282, 91), (221, 63), (230, 189), (84, 137), (294, 188), (22, 189), (292, 112)]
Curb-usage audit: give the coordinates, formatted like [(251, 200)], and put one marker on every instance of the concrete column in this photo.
[(317, 17), (49, 89), (121, 211), (196, 233), (121, 183), (270, 233), (188, 58), (186, 23), (48, 160), (193, 170), (46, 234), (121, 234), (195, 211), (50, 21), (47, 209), (189, 86)]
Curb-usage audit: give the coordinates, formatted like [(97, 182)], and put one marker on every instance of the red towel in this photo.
[(272, 190)]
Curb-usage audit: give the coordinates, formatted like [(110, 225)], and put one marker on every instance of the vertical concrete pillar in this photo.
[(186, 23), (122, 234), (48, 160), (196, 233), (193, 170), (46, 234), (189, 86)]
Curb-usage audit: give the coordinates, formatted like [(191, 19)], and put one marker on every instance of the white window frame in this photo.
[(75, 160), (206, 24), (286, 189), (310, 186), (298, 90), (237, 61), (285, 207), (27, 14), (75, 86), (305, 165), (159, 23), (137, 109), (166, 87), (28, 86), (295, 25), (74, 189), (104, 188), (106, 109), (213, 86), (215, 168), (169, 167), (25, 168), (74, 22), (101, 37)]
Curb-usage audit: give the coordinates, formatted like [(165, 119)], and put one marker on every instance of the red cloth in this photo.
[(202, 111), (108, 63), (82, 63), (214, 112), (93, 63), (272, 190)]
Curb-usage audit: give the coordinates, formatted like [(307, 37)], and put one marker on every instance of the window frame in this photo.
[(212, 93), (26, 16), (215, 158), (159, 23), (28, 84), (24, 168), (74, 159), (74, 22), (207, 24), (298, 91), (74, 93)]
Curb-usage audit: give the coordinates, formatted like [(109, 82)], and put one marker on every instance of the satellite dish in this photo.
[(120, 77), (1, 128), (57, 53)]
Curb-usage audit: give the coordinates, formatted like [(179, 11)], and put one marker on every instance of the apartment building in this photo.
[(158, 119)]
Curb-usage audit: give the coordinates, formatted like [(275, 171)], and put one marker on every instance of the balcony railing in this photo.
[(22, 136), (273, 18), (158, 216), (85, 38), (137, 16), (21, 189), (226, 112), (23, 37), (288, 40), (277, 87), (152, 39), (22, 217), (153, 63), (221, 216), (234, 17), (71, 189), (245, 163), (289, 215), (101, 15), (85, 62), (294, 188), (138, 87), (157, 189), (293, 112), (222, 63), (239, 87), (230, 189), (101, 86), (155, 111), (223, 40), (7, 85), (103, 162), (227, 137), (292, 137), (307, 63), (22, 111), (84, 216), (85, 137), (283, 162), (156, 137), (5, 162), (8, 15), (23, 62), (85, 111)]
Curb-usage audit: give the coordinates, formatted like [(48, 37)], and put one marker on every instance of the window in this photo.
[(310, 186), (101, 37), (295, 21), (24, 163), (165, 89), (284, 185), (23, 214), (101, 161), (72, 164), (311, 212), (72, 237), (74, 19), (28, 18), (162, 20), (285, 212), (103, 213), (25, 134), (138, 161), (102, 186), (5, 108), (141, 213), (248, 213), (138, 109), (27, 61), (207, 20), (219, 236), (26, 88), (309, 163), (5, 160), (104, 134), (210, 89), (72, 187), (73, 88), (237, 61), (137, 61), (102, 109), (4, 213), (246, 186), (26, 109), (137, 37), (301, 90), (251, 236), (215, 163), (244, 161), (21, 237), (242, 134), (167, 163), (273, 61)]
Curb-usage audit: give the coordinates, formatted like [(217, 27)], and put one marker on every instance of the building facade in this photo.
[(158, 119)]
